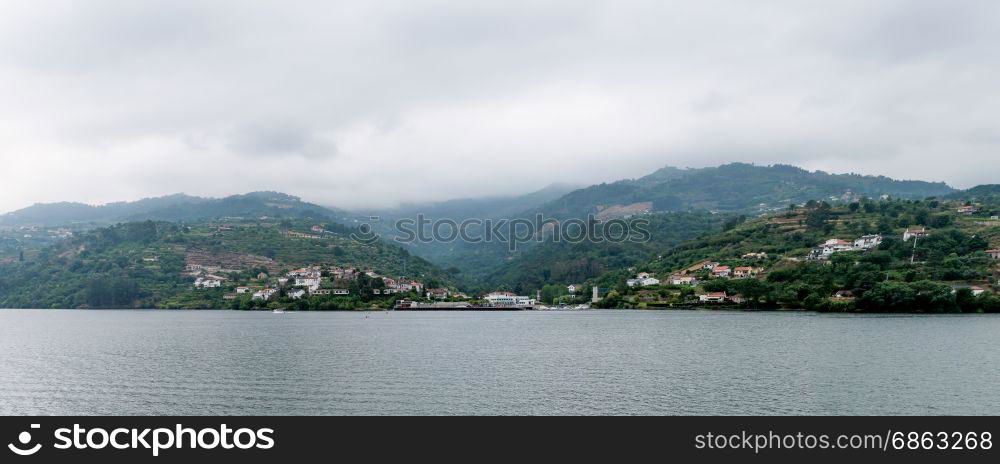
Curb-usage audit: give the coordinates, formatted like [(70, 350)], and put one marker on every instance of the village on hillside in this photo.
[(312, 281), (225, 276), (695, 284), (334, 282), (260, 263)]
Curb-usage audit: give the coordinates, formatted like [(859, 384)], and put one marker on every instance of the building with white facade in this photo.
[(509, 299), (208, 282), (265, 294), (713, 298), (868, 242), (689, 281), (922, 233)]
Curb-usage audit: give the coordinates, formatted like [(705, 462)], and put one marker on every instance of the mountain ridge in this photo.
[(734, 187), (177, 207)]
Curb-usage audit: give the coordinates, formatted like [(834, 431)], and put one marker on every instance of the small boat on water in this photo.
[(279, 311)]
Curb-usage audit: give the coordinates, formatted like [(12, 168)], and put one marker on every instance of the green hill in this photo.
[(983, 193), (560, 263), (938, 273), (729, 189), (144, 264), (65, 213), (474, 260), (676, 201), (174, 208), (734, 188)]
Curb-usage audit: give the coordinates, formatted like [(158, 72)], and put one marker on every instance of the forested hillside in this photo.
[(735, 188), (554, 263), (144, 264), (174, 208), (931, 256)]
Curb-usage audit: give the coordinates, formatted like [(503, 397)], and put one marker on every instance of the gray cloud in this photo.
[(268, 139), (368, 103)]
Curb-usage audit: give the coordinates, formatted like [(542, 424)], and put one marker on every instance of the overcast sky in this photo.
[(368, 103)]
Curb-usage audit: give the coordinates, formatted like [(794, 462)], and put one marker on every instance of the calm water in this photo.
[(173, 362)]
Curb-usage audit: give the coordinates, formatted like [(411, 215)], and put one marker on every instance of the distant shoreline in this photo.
[(690, 309)]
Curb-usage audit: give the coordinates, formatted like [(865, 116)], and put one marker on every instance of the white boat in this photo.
[(279, 311)]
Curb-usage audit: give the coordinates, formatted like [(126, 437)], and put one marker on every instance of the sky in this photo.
[(360, 104)]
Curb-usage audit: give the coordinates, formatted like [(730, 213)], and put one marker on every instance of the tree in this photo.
[(940, 221), (734, 222), (891, 297), (885, 226), (753, 291), (966, 301), (816, 220), (934, 297), (551, 293)]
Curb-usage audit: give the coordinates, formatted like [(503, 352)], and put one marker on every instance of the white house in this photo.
[(208, 282), (836, 245), (684, 280), (341, 291), (643, 282), (995, 254), (922, 233), (868, 242), (572, 289), (968, 210), (713, 298), (722, 271), (305, 273), (645, 275), (508, 299), (745, 272), (297, 294), (828, 248), (310, 283), (265, 294), (409, 286), (438, 293)]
